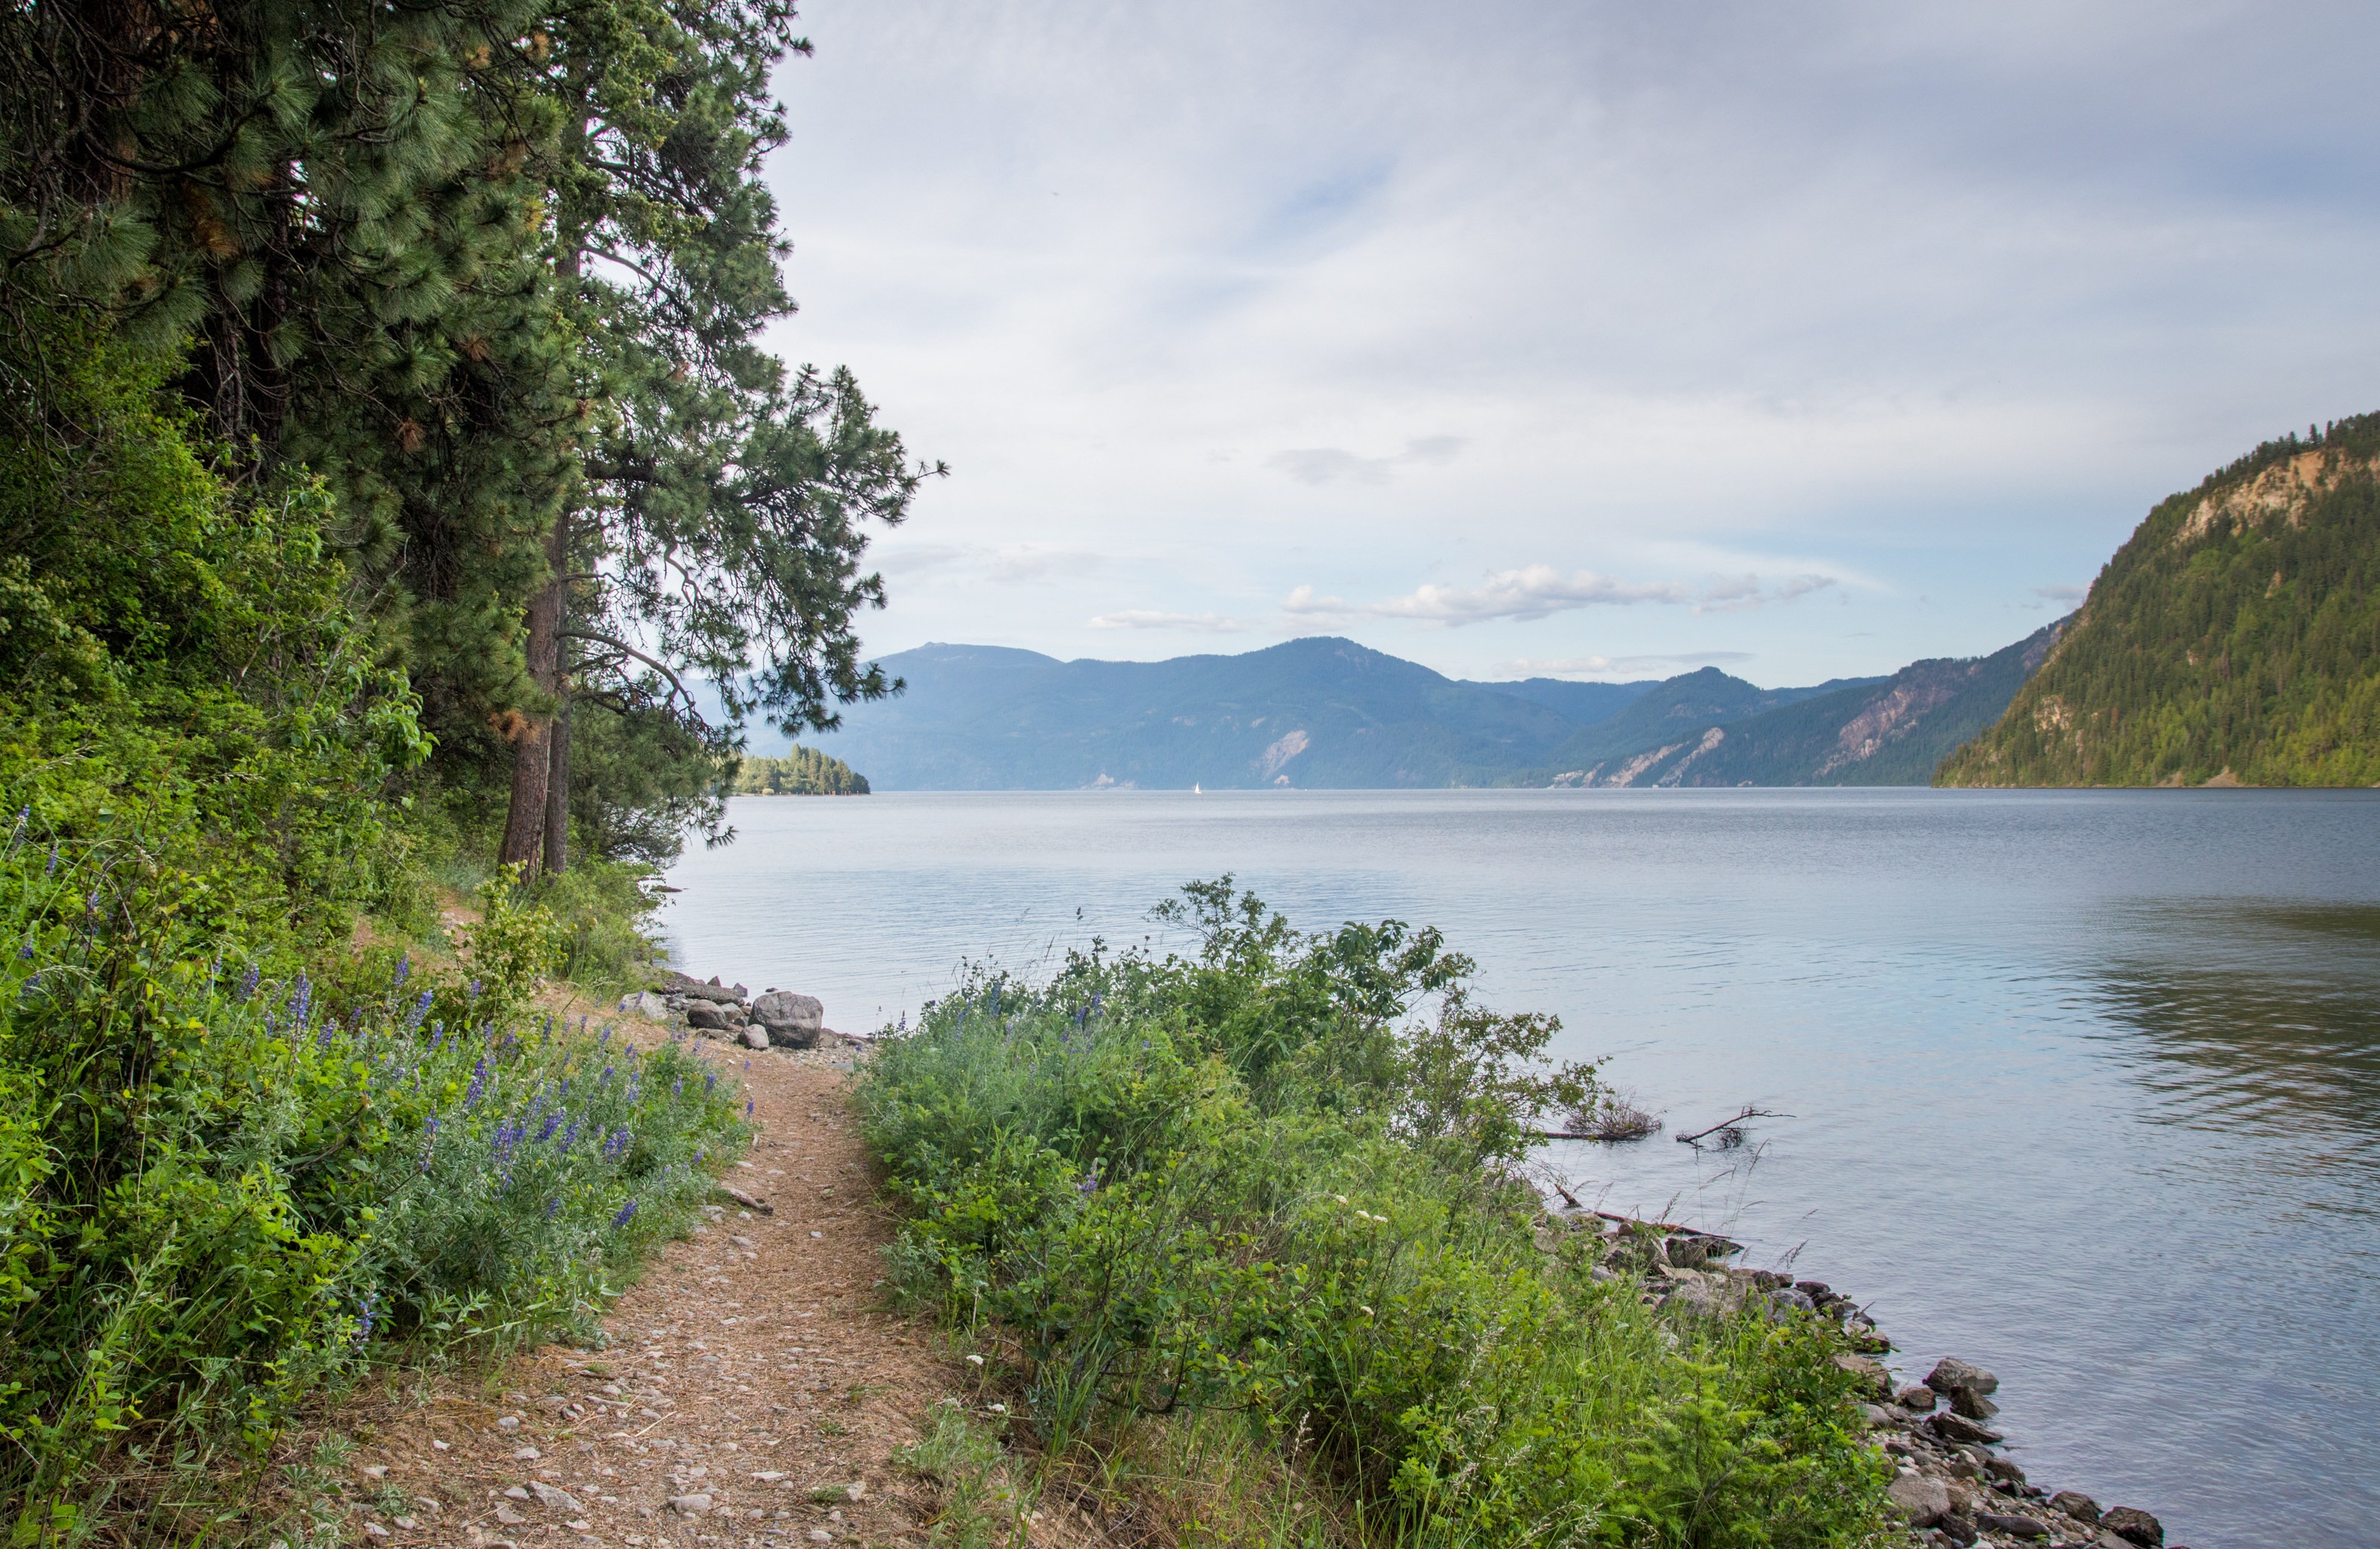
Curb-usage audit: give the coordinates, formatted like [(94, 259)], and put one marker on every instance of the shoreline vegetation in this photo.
[(1234, 1208)]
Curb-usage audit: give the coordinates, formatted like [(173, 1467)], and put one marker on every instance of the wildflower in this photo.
[(323, 1044), (52, 869), (430, 1144), (570, 1135), (553, 1207), (552, 1122), (478, 1083), (605, 1037), (26, 950), (616, 1143), (437, 1035), (421, 1008), (365, 1311), (709, 1083), (301, 1004), (1087, 1185), (627, 1212), (475, 990), (677, 1087), (747, 1107), (698, 1159), (247, 983), (605, 1077)]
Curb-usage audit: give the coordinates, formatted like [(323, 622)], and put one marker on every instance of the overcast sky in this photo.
[(1599, 338)]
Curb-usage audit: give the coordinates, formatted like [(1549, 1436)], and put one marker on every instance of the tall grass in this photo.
[(1238, 1194)]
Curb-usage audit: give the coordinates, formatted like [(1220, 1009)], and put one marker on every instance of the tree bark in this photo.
[(525, 824), (557, 793)]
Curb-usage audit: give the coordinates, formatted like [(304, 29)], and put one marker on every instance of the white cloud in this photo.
[(1323, 464), (1149, 618), (2061, 594)]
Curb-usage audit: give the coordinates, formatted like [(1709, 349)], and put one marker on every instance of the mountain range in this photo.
[(1327, 713)]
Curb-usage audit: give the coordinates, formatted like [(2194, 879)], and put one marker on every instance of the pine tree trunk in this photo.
[(525, 824), (557, 795)]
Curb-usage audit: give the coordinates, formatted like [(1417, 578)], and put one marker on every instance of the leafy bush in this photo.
[(1234, 1184)]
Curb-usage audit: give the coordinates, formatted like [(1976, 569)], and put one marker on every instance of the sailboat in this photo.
[(1196, 789)]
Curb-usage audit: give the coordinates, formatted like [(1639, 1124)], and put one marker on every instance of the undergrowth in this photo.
[(1240, 1205)]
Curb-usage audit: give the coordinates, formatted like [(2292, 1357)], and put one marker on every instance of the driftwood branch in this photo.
[(1725, 1125)]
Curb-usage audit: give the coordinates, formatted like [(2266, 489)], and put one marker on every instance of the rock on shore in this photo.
[(1952, 1488), (776, 1017)]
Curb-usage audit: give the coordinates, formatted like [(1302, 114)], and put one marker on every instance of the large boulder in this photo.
[(710, 1017), (695, 989), (792, 1021), (1922, 1502), (2134, 1526)]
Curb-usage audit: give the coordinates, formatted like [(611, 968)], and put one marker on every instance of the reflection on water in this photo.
[(2085, 1086)]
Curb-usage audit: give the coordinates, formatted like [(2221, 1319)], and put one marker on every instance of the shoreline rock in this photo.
[(1953, 1489), (775, 1019)]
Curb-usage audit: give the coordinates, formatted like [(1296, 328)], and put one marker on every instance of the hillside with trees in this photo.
[(2235, 639)]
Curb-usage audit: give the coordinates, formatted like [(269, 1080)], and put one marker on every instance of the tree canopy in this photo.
[(492, 273)]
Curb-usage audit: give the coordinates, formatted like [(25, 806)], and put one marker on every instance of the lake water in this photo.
[(2084, 1086)]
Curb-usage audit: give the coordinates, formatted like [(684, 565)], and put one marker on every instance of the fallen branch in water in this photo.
[(1728, 1130)]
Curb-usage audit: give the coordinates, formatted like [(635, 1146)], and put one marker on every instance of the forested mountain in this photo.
[(1316, 712), (1331, 714), (1693, 701), (2234, 639), (1875, 732), (1581, 703)]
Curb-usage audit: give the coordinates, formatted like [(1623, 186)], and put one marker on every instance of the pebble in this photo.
[(690, 1506), (509, 1422)]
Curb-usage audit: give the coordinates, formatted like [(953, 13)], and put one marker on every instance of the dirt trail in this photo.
[(752, 1392)]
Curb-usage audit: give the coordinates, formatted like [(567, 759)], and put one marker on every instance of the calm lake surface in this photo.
[(2084, 1086)]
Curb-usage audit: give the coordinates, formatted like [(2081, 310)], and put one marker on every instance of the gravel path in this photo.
[(752, 1391)]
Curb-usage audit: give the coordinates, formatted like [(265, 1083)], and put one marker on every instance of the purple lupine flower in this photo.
[(247, 983), (677, 1087), (52, 869), (478, 1083), (421, 1008), (570, 1135), (747, 1107), (437, 1035), (698, 1159), (26, 950), (301, 1004), (475, 990), (364, 1311), (582, 1026), (403, 971), (430, 1144), (552, 1122), (605, 1077), (616, 1143), (605, 1037), (627, 1212), (553, 1207), (323, 1044), (710, 1082)]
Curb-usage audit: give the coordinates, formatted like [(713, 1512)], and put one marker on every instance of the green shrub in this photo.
[(1238, 1184)]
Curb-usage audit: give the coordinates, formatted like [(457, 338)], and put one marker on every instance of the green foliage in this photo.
[(2237, 634), (1238, 1185), (802, 772), (233, 1156)]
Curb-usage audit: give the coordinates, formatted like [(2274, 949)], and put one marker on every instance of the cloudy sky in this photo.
[(1599, 338)]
